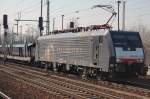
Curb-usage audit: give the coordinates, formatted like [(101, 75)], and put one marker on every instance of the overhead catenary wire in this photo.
[(65, 6), (34, 9), (54, 11), (139, 8), (26, 9), (71, 12), (30, 7), (31, 10), (25, 3)]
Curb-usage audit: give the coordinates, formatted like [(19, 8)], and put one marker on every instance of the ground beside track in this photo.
[(21, 90)]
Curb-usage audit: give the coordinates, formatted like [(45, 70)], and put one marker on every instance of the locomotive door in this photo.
[(96, 50)]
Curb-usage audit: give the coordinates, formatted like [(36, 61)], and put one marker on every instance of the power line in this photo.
[(32, 6), (85, 16), (31, 10), (71, 4), (72, 12), (27, 9)]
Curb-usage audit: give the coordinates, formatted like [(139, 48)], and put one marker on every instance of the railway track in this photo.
[(63, 88), (38, 85), (29, 85), (122, 87), (3, 96), (140, 82), (88, 90)]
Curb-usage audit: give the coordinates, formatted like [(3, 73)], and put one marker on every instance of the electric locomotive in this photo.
[(97, 52)]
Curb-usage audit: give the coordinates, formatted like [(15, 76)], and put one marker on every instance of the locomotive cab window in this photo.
[(126, 39)]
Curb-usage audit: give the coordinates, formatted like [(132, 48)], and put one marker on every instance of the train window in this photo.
[(100, 39), (126, 39)]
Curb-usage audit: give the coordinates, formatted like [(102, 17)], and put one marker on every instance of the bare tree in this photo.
[(145, 36)]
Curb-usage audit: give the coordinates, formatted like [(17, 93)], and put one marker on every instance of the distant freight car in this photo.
[(19, 52)]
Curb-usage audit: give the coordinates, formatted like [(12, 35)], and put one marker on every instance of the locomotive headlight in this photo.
[(111, 65), (118, 60), (140, 60)]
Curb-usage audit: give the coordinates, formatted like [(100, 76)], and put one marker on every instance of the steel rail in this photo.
[(81, 89), (4, 96), (42, 73)]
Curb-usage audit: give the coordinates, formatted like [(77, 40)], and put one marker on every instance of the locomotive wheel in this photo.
[(102, 76), (143, 72), (99, 77)]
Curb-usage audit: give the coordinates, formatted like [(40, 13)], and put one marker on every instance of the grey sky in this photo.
[(137, 11)]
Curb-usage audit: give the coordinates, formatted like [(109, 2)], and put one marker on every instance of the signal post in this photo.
[(5, 24)]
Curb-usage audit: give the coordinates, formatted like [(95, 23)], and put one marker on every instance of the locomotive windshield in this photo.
[(126, 39)]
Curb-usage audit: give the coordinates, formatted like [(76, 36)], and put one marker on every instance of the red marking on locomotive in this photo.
[(128, 60)]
